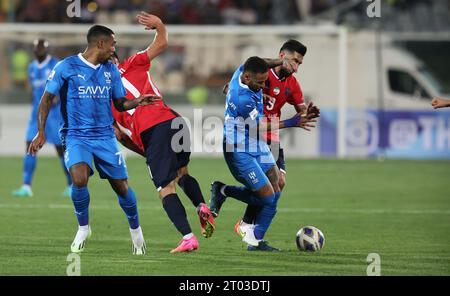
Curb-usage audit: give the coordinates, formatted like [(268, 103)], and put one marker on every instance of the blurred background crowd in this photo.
[(398, 14)]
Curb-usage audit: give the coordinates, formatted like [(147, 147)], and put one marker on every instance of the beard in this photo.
[(284, 73)]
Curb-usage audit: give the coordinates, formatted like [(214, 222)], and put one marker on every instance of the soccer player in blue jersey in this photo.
[(38, 71), (246, 153), (87, 83)]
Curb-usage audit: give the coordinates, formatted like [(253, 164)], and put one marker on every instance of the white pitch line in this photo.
[(236, 209)]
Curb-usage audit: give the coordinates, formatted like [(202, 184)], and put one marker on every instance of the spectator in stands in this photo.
[(20, 60)]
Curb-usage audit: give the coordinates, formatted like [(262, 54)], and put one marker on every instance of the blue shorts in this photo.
[(107, 157), (51, 130), (248, 169)]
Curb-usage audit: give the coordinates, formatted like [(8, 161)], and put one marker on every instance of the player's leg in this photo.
[(163, 166), (257, 189), (281, 164), (264, 218), (177, 214), (188, 183), (29, 162), (251, 211), (111, 165), (190, 186), (80, 172), (192, 190), (180, 135), (267, 213), (127, 201), (52, 134), (67, 191), (29, 165), (78, 160)]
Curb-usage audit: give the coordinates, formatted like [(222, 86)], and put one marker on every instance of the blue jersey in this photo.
[(86, 91), (37, 76), (243, 111)]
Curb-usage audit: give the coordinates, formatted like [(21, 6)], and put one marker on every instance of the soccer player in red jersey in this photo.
[(281, 88), (149, 132)]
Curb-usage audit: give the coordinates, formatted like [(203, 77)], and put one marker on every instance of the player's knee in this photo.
[(168, 189), (123, 190), (268, 200), (182, 171), (182, 174), (281, 183), (79, 180)]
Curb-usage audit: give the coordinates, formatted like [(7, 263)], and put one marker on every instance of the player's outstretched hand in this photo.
[(148, 100), (312, 111), (36, 144), (150, 21), (304, 122), (440, 103)]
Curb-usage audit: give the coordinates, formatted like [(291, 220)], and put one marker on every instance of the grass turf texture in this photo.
[(398, 209)]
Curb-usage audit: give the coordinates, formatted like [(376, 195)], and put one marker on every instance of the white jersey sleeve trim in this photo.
[(130, 87)]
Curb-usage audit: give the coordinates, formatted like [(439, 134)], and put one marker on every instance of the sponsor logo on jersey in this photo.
[(96, 91)]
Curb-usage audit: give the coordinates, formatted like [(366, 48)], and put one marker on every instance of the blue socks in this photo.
[(265, 217), (80, 199), (129, 206), (29, 164), (246, 195)]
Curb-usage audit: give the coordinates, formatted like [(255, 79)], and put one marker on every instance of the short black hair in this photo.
[(97, 31), (256, 65), (294, 45)]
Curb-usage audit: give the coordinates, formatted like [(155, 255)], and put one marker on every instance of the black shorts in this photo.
[(163, 159)]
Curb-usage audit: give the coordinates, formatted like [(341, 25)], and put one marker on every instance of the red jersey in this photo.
[(286, 90), (137, 81)]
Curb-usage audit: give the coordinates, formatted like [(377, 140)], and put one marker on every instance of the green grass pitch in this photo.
[(398, 209)]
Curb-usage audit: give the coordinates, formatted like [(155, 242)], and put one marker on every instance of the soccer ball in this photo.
[(310, 239)]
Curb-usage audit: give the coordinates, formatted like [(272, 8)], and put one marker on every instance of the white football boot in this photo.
[(246, 232), (137, 237), (83, 233)]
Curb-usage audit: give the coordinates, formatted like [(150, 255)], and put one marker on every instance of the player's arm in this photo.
[(118, 93), (300, 108), (161, 40), (44, 108), (304, 122), (309, 109), (123, 104), (125, 140), (440, 103), (288, 64)]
